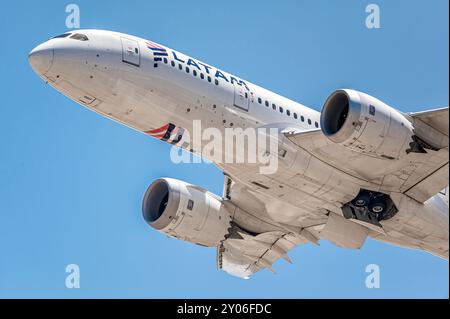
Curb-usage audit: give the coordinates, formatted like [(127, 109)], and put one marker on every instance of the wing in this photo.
[(419, 175), (264, 241), (437, 119), (437, 179), (259, 241)]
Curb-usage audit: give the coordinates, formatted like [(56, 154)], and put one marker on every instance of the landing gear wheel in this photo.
[(377, 206), (361, 201)]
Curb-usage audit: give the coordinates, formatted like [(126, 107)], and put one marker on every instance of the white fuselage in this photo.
[(144, 85)]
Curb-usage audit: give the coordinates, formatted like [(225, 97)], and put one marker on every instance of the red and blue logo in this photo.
[(169, 133), (158, 51)]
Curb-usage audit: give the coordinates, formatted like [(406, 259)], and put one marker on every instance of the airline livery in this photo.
[(358, 169)]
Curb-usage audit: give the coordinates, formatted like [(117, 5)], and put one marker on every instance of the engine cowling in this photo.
[(366, 124), (186, 212)]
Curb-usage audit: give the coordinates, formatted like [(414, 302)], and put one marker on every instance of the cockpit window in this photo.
[(80, 37), (64, 35)]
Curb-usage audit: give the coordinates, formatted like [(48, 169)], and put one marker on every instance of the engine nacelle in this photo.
[(367, 125), (186, 212)]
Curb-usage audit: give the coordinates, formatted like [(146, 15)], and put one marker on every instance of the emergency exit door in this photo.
[(130, 52), (241, 97)]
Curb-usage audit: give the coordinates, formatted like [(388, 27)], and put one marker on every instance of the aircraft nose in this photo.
[(41, 58)]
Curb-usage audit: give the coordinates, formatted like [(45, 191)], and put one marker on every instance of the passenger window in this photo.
[(295, 115), (202, 76), (302, 118), (165, 60), (209, 79), (187, 70), (246, 95), (281, 109), (288, 113), (217, 82), (309, 121), (274, 106), (259, 100), (172, 63), (194, 72), (316, 124), (180, 66), (267, 103)]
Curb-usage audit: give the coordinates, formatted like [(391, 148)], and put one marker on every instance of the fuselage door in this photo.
[(130, 52), (241, 97)]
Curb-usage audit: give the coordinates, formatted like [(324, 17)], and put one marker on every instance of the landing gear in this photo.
[(370, 207), (362, 200), (377, 205)]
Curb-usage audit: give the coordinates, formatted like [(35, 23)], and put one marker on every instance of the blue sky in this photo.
[(71, 182)]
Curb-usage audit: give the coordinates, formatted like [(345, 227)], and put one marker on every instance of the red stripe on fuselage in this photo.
[(154, 45), (162, 129)]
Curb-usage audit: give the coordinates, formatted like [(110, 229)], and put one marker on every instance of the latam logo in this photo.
[(158, 51), (170, 133)]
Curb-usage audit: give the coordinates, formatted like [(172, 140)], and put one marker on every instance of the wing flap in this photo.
[(243, 254), (430, 185)]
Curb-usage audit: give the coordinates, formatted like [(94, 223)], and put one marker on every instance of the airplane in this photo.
[(359, 168)]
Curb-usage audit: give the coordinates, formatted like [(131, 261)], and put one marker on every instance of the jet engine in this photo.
[(186, 212), (367, 125)]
